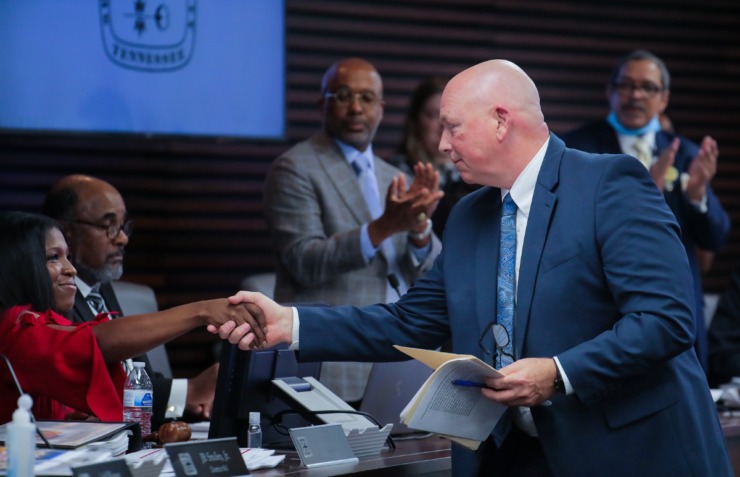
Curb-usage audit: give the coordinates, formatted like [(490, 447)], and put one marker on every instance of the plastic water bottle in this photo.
[(138, 398), (254, 432), (21, 440)]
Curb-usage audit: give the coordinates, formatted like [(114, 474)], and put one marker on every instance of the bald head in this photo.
[(493, 122), (90, 211), (351, 102)]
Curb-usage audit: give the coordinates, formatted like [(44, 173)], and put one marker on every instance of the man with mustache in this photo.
[(638, 93), (341, 219), (97, 228)]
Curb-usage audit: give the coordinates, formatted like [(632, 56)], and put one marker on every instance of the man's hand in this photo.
[(702, 169), (665, 161), (201, 390), (407, 210), (278, 322), (245, 315), (527, 382)]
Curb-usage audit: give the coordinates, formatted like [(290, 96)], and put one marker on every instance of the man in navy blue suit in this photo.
[(603, 323), (638, 93)]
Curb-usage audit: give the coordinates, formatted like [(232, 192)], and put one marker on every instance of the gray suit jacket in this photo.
[(315, 210)]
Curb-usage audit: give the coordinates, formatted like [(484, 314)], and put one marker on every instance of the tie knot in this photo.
[(644, 152), (95, 299), (509, 206), (360, 163)]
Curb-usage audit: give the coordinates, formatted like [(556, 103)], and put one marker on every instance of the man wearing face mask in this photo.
[(638, 93), (342, 220)]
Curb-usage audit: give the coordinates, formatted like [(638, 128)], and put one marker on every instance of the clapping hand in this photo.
[(702, 169)]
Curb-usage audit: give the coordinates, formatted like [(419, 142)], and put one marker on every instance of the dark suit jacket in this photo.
[(81, 313), (708, 231), (604, 284)]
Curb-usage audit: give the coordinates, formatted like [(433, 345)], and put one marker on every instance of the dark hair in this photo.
[(24, 277), (410, 145), (665, 76)]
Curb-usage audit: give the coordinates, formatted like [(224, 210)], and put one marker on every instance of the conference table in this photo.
[(428, 457), (431, 458)]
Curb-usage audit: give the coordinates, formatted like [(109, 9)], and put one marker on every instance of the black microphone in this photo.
[(20, 391), (393, 280)]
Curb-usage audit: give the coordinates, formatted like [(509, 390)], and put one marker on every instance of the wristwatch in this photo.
[(422, 235), (559, 383)]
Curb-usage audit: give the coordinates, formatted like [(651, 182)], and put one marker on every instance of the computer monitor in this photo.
[(244, 385)]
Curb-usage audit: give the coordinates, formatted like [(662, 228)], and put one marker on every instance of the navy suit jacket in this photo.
[(604, 284), (708, 231), (81, 313)]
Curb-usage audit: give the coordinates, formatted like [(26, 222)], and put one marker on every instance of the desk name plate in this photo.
[(322, 445), (211, 458), (110, 468)]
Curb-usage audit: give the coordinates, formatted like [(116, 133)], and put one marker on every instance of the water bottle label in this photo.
[(137, 398)]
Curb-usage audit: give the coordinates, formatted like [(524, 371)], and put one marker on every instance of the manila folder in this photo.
[(448, 409)]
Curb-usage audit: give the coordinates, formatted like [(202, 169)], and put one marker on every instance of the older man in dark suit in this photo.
[(638, 93), (97, 228)]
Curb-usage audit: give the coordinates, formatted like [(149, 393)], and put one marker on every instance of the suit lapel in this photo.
[(538, 226), (486, 260), (341, 175), (81, 312), (106, 291)]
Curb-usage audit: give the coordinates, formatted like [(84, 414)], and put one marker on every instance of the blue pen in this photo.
[(475, 384)]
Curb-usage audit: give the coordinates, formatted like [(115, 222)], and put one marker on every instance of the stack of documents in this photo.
[(460, 413)]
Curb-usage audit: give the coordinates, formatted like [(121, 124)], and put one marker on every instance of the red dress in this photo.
[(61, 370)]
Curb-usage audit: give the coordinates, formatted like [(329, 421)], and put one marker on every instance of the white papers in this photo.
[(199, 430), (253, 458), (448, 409)]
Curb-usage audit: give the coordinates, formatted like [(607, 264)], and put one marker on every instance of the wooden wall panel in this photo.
[(197, 205)]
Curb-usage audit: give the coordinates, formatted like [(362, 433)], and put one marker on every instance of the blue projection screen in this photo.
[(163, 67)]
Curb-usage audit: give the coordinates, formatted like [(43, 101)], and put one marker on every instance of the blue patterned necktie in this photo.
[(369, 187), (506, 288)]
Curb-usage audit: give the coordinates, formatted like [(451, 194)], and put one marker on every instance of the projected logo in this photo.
[(148, 35)]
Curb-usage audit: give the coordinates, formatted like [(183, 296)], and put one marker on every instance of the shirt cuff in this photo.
[(566, 381), (177, 399), (701, 204), (419, 254), (296, 325)]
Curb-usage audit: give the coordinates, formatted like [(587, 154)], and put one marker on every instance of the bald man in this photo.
[(602, 324), (97, 228), (337, 237)]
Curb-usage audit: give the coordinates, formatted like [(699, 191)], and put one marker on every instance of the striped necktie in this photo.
[(95, 300), (643, 152)]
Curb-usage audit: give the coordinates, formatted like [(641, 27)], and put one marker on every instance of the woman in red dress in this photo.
[(68, 367)]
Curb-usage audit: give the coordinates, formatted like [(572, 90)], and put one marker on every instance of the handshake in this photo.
[(267, 323)]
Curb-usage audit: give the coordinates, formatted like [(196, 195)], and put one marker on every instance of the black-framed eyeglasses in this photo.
[(501, 339), (648, 88), (111, 230), (345, 97)]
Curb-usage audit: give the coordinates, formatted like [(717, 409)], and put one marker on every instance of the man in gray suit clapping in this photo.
[(346, 229)]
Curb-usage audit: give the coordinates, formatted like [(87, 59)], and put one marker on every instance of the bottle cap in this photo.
[(254, 418), (139, 364), (22, 414)]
